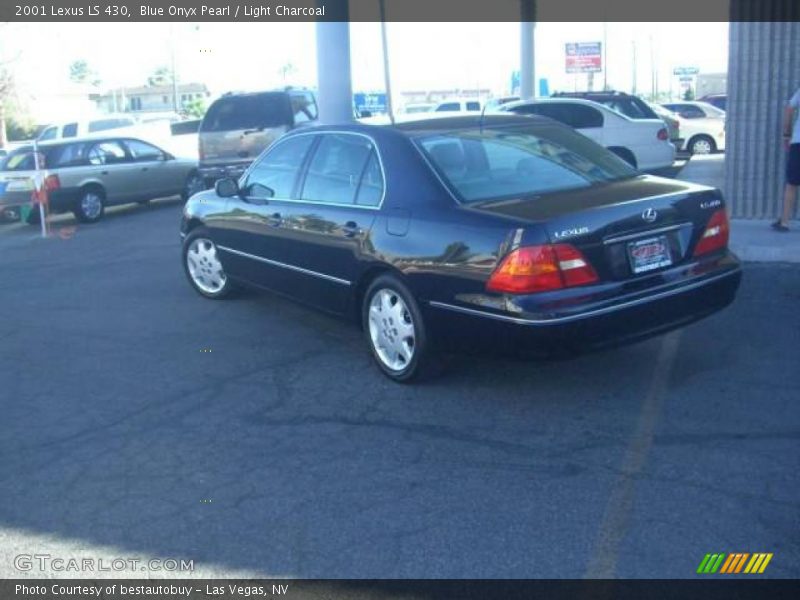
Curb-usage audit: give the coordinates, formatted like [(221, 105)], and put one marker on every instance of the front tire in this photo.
[(91, 205), (202, 266), (395, 330)]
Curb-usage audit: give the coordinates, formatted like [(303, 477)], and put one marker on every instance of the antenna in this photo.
[(483, 112)]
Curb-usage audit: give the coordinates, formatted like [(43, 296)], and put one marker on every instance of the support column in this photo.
[(527, 74), (763, 72), (335, 91)]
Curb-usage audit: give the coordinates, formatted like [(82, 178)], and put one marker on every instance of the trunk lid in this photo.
[(625, 229)]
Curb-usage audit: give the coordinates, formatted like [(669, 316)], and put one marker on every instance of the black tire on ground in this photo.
[(86, 209), (625, 155), (702, 144), (424, 361), (202, 264)]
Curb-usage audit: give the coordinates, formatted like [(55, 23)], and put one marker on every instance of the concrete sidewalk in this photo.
[(752, 239)]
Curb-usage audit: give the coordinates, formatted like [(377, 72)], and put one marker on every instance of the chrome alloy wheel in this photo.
[(91, 205), (701, 146), (391, 329), (204, 266)]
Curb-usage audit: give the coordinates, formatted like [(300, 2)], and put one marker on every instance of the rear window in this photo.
[(630, 107), (22, 159), (519, 161), (254, 111)]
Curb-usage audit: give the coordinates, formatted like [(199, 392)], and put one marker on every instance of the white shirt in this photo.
[(794, 102)]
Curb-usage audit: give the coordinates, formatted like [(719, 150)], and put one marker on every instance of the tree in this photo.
[(161, 76), (79, 71), (6, 90), (287, 70), (688, 94), (195, 108)]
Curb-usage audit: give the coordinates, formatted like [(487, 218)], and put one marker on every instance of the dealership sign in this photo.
[(685, 71), (584, 57)]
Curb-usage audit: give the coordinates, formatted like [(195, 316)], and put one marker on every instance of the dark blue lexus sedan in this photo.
[(501, 232)]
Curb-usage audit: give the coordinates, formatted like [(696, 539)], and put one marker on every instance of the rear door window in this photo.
[(107, 153), (251, 111), (579, 116), (69, 130), (473, 106), (335, 171), (370, 191), (275, 175), (143, 152)]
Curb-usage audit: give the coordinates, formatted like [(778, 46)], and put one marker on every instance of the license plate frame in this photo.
[(649, 254)]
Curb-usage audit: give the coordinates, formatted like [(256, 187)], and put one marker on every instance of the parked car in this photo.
[(642, 143), (673, 123), (702, 126), (82, 128), (85, 176), (501, 232), (237, 127), (416, 108), (631, 106), (458, 106), (495, 103), (3, 153), (718, 100)]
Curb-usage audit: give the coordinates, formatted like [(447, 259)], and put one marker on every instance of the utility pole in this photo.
[(174, 68), (605, 56), (387, 79), (633, 80)]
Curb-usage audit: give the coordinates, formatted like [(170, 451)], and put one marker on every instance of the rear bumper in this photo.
[(627, 319), (211, 174)]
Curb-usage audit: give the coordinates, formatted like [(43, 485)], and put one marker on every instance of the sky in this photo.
[(423, 56)]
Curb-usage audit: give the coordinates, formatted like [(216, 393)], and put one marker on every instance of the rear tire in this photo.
[(395, 331), (625, 155), (702, 144), (90, 206)]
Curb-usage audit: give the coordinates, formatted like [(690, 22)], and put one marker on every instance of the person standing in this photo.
[(791, 140)]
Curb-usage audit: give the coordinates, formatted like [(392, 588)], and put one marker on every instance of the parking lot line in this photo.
[(603, 560)]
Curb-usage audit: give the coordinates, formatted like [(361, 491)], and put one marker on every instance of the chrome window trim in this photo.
[(600, 311), (275, 263), (285, 138)]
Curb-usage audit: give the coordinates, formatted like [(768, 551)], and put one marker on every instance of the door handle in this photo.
[(103, 172), (275, 219), (145, 168), (351, 229)]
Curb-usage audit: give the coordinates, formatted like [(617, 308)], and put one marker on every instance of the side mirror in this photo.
[(167, 156), (226, 188)]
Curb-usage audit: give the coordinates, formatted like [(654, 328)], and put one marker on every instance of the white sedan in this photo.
[(644, 143), (702, 126)]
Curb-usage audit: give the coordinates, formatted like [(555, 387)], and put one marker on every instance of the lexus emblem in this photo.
[(650, 215)]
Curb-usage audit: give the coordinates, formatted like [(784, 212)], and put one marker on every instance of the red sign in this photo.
[(584, 57)]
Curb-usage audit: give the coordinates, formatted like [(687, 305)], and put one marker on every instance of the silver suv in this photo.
[(238, 127)]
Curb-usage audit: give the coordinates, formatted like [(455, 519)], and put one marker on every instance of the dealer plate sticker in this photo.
[(649, 254)]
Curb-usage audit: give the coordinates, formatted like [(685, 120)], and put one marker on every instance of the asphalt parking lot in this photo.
[(255, 436)]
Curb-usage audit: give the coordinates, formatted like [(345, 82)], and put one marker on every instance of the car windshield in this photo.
[(20, 159), (510, 162), (712, 111)]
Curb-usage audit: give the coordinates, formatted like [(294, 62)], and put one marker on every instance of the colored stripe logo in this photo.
[(738, 562)]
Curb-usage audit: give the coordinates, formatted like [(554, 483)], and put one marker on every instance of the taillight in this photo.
[(663, 134), (716, 235), (52, 182), (542, 268)]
